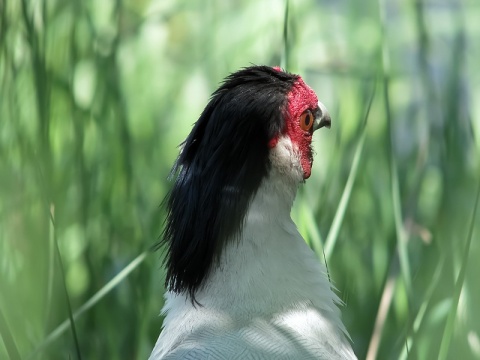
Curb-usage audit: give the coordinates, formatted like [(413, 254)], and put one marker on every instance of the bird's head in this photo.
[(302, 115), (259, 118)]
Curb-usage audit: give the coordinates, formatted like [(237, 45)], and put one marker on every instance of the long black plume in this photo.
[(219, 169)]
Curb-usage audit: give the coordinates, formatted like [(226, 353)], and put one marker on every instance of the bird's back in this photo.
[(295, 334)]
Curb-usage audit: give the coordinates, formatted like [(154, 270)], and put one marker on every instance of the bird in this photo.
[(241, 281)]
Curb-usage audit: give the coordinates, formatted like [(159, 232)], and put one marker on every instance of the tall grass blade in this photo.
[(383, 308), (51, 272), (71, 319), (402, 238), (388, 290), (309, 222), (395, 188), (347, 191), (8, 340), (450, 325), (423, 308), (99, 295)]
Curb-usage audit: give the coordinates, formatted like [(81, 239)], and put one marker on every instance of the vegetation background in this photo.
[(95, 96)]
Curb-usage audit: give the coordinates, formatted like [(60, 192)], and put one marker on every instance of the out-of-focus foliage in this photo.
[(96, 95)]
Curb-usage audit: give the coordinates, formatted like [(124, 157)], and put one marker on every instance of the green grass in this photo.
[(95, 96)]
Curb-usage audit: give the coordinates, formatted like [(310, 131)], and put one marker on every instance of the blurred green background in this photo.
[(95, 97)]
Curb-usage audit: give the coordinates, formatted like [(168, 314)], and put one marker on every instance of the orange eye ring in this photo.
[(306, 120)]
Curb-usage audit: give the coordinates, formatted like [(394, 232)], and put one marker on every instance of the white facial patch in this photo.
[(285, 159)]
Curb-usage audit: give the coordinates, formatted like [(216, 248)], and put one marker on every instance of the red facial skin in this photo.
[(300, 99)]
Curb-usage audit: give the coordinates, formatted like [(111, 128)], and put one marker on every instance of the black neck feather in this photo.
[(219, 169)]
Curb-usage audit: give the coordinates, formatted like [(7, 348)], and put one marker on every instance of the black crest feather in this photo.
[(219, 169)]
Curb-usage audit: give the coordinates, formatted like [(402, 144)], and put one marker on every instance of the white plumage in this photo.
[(269, 297)]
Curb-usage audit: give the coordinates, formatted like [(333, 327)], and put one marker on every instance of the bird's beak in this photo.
[(323, 118)]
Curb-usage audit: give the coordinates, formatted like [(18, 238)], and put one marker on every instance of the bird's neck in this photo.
[(268, 272), (268, 268), (274, 198)]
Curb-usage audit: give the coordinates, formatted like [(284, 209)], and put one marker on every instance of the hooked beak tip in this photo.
[(325, 120)]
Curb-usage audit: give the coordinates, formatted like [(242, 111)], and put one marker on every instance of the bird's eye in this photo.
[(306, 120)]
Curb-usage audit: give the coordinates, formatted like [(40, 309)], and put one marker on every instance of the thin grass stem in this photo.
[(450, 324), (347, 191), (8, 339), (99, 295)]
